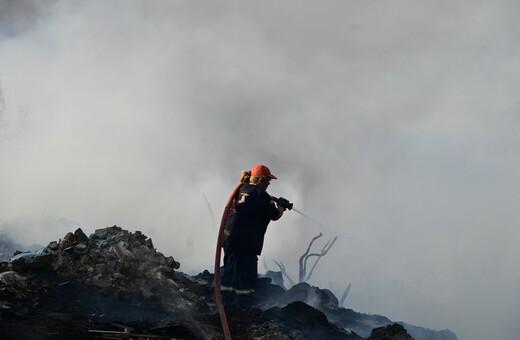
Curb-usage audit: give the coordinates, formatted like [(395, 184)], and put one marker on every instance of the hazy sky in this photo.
[(395, 123)]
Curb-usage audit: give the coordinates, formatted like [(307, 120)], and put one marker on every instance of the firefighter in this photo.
[(250, 213)]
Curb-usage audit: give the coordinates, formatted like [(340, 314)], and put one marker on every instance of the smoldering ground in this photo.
[(396, 123)]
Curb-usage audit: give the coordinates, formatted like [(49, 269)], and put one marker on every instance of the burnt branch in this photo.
[(344, 296), (302, 274), (303, 262), (324, 251)]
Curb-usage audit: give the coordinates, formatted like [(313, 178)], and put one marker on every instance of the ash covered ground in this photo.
[(114, 284)]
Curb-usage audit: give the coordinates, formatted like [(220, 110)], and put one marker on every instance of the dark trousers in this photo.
[(239, 272)]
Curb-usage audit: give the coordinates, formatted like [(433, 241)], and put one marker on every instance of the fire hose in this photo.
[(216, 279)]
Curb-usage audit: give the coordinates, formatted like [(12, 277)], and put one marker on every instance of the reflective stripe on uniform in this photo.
[(243, 291), (227, 288)]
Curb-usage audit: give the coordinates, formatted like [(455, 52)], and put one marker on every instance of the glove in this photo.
[(282, 202)]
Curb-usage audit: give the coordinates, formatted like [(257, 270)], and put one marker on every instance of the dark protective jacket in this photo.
[(249, 216)]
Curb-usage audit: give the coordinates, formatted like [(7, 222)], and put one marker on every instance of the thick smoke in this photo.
[(394, 123)]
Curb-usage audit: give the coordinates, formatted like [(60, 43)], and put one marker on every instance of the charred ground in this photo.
[(115, 285)]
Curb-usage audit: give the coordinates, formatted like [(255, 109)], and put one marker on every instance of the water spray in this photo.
[(312, 219), (288, 205)]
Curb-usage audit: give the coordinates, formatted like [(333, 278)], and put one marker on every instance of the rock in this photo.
[(308, 321), (390, 332), (13, 283), (276, 277), (425, 333), (313, 296)]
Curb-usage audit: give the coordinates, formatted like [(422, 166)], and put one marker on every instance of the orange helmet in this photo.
[(262, 171)]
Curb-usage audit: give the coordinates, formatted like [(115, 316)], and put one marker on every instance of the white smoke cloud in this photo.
[(394, 123)]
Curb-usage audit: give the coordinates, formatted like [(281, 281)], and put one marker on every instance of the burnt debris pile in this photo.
[(117, 261), (114, 284)]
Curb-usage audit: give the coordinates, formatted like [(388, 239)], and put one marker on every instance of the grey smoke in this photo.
[(393, 121)]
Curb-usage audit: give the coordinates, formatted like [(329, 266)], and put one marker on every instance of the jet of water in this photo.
[(339, 233), (313, 219)]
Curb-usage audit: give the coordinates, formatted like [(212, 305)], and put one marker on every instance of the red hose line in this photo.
[(216, 279)]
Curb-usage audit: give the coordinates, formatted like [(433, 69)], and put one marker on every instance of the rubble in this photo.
[(114, 284), (112, 259), (13, 283), (390, 332)]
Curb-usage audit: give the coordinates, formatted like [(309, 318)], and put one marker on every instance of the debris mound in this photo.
[(122, 263), (114, 284)]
